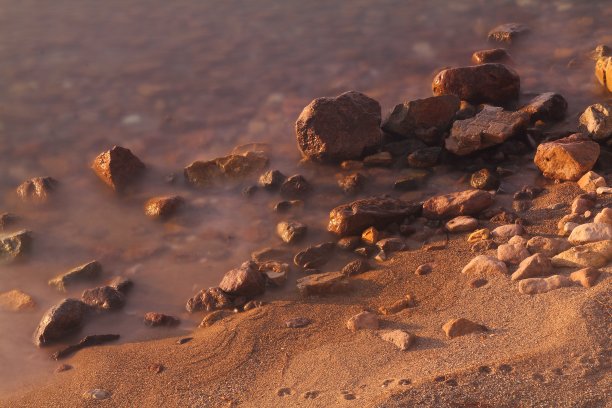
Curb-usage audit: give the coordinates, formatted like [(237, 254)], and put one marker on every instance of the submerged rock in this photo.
[(323, 284), (364, 320), (487, 83), (16, 301), (460, 327), (37, 190), (163, 207), (6, 219), (104, 297), (59, 321), (534, 286), (493, 55), (315, 255), (381, 159), (155, 319), (568, 158), (245, 281), (469, 202), (597, 120), (508, 33), (83, 273), (340, 128), (208, 300), (484, 179), (14, 246), (424, 158), (291, 231), (401, 339), (118, 167), (234, 166), (549, 106), (352, 183)]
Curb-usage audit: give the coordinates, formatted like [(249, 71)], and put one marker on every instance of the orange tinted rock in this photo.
[(492, 55), (568, 158), (508, 33), (163, 207), (585, 277), (467, 202), (460, 327), (15, 301), (548, 106), (118, 167), (37, 189)]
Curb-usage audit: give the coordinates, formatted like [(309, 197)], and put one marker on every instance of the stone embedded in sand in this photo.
[(208, 300), (604, 217), (535, 286), (392, 244), (426, 119), (468, 202), (487, 83), (585, 277), (591, 232), (547, 246), (595, 254), (460, 327), (104, 297), (213, 317), (272, 180), (291, 231), (590, 181), (245, 281), (97, 394), (597, 121), (16, 301), (298, 322), (424, 158), (315, 255), (424, 269), (14, 246), (83, 273), (271, 254), (352, 183), (508, 231), (547, 107), (295, 187), (486, 266), (233, 166), (508, 33), (397, 306), (340, 128), (163, 207), (87, 341), (484, 179), (275, 272), (323, 284), (155, 319), (59, 321), (355, 267), (364, 320), (462, 223), (353, 218), (118, 167), (568, 158), (381, 159), (37, 190), (491, 126), (493, 55), (479, 235), (535, 265), (401, 339), (512, 253)]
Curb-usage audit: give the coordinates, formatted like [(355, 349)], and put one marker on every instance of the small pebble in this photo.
[(97, 394)]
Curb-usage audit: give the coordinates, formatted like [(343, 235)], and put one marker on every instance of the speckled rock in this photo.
[(323, 284), (15, 245), (37, 190), (595, 254), (568, 158), (163, 207), (534, 286), (59, 321), (291, 231), (118, 167), (16, 301), (245, 281), (401, 339), (83, 273)]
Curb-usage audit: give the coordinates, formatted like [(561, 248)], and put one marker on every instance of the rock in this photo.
[(272, 180), (581, 204), (15, 245), (597, 121), (460, 327), (491, 126), (547, 107), (484, 179), (528, 193), (63, 367), (277, 277), (245, 281), (370, 236), (83, 273), (426, 118), (291, 231), (59, 321), (604, 217), (411, 181), (364, 320), (397, 306), (315, 256), (382, 159), (518, 240), (462, 223), (271, 254), (351, 165), (285, 206), (219, 170), (87, 341), (424, 269), (298, 322), (604, 190), (389, 245), (487, 83), (568, 158), (595, 254), (590, 181), (37, 190), (603, 71), (547, 246), (353, 218), (103, 297), (16, 301), (508, 33), (585, 277), (512, 253), (468, 202), (535, 286), (163, 207), (508, 231), (355, 267), (485, 265), (323, 284), (97, 394), (154, 319), (424, 158), (352, 183), (295, 187), (535, 265), (118, 167), (348, 243), (401, 339), (213, 317), (123, 285), (494, 55), (479, 235), (591, 232), (483, 245), (340, 128)]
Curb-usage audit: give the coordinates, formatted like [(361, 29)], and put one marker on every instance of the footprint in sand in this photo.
[(283, 392), (538, 377), (387, 383), (440, 378), (310, 394), (505, 368), (451, 382), (347, 395), (484, 370), (404, 382)]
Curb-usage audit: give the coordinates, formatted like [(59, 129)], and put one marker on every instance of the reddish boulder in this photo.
[(245, 281), (469, 202), (568, 158), (118, 167), (59, 321)]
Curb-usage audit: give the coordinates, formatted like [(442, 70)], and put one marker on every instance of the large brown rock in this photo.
[(234, 166), (469, 202), (568, 158), (83, 273), (118, 167), (548, 106), (426, 118), (245, 281), (353, 218), (340, 128), (496, 84), (491, 126), (323, 284), (37, 190), (59, 321)]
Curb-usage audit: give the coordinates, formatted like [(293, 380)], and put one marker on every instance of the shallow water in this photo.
[(180, 81)]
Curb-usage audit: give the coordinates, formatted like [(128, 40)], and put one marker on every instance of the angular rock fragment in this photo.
[(467, 202), (235, 166), (568, 158), (272, 180), (352, 183), (340, 128), (508, 33), (353, 218), (462, 223), (363, 321), (59, 321), (14, 246), (603, 71), (295, 187), (493, 55), (597, 120), (491, 126), (87, 341), (535, 286), (122, 284), (485, 265), (547, 246), (585, 277), (389, 245), (104, 298), (591, 232), (348, 243), (370, 236), (163, 207), (494, 83), (16, 301), (424, 158), (315, 256), (547, 107), (355, 267), (118, 167), (382, 159), (535, 265), (291, 231), (512, 253), (460, 327), (208, 300), (323, 284), (37, 190), (245, 281), (401, 339), (83, 273), (595, 254), (591, 181), (155, 319)]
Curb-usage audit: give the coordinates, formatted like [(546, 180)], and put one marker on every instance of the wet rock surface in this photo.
[(60, 320), (484, 179), (225, 169), (549, 106), (291, 231), (104, 298), (118, 167), (163, 207), (6, 220), (16, 301), (493, 55), (295, 187), (155, 319), (424, 158), (14, 246), (340, 128), (352, 183), (83, 273), (87, 341), (272, 180), (508, 33), (568, 158), (37, 190), (245, 281), (315, 255), (469, 202)]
